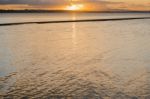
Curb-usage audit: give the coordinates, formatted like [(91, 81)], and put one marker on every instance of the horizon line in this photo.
[(39, 10)]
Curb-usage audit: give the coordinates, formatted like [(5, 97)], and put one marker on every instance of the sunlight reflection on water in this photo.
[(74, 37)]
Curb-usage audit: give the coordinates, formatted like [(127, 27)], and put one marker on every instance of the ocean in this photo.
[(75, 60)]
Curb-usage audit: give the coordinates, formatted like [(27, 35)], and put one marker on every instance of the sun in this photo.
[(74, 7)]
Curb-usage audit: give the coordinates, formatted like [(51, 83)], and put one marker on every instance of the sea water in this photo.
[(90, 60)]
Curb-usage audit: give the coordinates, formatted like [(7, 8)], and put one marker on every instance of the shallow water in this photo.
[(91, 60)]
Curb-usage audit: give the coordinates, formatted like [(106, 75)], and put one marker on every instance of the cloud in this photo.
[(33, 2), (93, 4), (51, 2)]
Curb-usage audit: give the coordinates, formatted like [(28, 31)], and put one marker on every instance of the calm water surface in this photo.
[(90, 60)]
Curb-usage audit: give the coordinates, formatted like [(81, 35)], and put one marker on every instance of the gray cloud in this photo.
[(51, 2), (33, 2)]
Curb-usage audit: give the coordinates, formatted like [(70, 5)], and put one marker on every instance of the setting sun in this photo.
[(74, 7)]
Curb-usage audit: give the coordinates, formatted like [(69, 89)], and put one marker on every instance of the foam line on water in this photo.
[(68, 21)]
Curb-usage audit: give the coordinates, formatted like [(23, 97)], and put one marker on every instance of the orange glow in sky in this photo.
[(77, 5), (74, 7)]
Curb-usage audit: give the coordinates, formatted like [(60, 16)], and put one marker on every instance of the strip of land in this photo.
[(66, 11), (69, 21)]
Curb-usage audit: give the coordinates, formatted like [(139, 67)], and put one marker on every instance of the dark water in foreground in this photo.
[(91, 60)]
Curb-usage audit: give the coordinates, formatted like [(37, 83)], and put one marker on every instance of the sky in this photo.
[(102, 5)]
